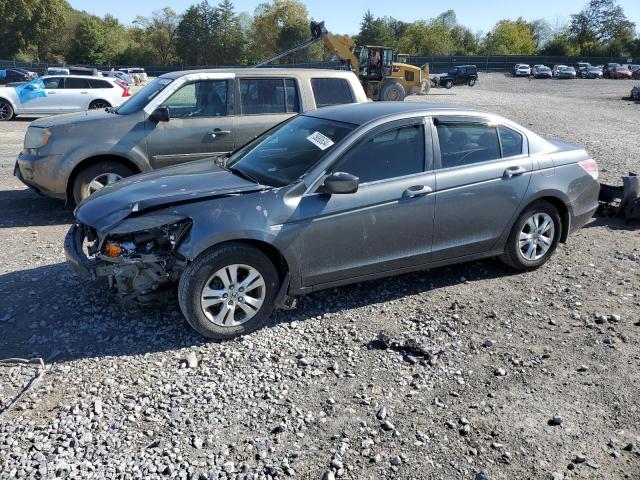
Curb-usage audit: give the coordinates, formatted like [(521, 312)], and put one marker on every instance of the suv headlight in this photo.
[(36, 137)]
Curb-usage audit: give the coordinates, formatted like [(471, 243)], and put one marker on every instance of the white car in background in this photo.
[(139, 71), (61, 94), (522, 70)]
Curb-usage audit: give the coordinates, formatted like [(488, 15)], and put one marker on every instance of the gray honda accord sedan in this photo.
[(340, 195)]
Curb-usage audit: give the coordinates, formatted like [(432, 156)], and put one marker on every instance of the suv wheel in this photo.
[(97, 176), (6, 110), (471, 82), (99, 105), (448, 84), (534, 237), (228, 291)]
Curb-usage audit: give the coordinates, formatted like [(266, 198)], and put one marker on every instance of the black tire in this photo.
[(83, 179), (393, 92), (512, 253), (6, 111), (448, 84), (99, 105), (197, 274), (471, 82)]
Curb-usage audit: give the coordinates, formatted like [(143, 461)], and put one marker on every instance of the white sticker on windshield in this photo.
[(319, 140)]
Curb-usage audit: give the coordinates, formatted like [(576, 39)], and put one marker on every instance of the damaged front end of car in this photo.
[(138, 256)]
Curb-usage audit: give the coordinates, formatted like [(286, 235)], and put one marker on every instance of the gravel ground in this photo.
[(480, 373)]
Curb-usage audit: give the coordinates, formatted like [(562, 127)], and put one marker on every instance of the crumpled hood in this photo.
[(68, 119), (190, 182)]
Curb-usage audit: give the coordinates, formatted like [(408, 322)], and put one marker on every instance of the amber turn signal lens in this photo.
[(112, 249)]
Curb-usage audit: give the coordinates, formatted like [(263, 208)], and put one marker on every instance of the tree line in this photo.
[(216, 34)]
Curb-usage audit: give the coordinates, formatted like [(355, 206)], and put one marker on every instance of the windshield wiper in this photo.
[(242, 174)]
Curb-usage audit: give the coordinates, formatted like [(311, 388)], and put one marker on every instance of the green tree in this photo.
[(376, 31), (229, 36), (601, 25), (89, 45), (277, 26), (160, 35), (193, 34), (510, 37), (428, 38), (29, 25)]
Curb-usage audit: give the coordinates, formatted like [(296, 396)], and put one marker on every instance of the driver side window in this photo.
[(205, 98), (390, 154), (464, 144)]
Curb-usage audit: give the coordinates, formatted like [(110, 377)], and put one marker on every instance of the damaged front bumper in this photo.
[(135, 278)]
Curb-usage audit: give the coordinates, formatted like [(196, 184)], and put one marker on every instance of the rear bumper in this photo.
[(75, 255)]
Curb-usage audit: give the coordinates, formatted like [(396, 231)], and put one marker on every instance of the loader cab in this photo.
[(375, 62), (402, 58)]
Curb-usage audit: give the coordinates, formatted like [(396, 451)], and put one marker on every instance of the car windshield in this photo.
[(144, 96), (282, 155)]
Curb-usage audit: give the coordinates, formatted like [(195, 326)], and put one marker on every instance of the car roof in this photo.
[(265, 71), (361, 113)]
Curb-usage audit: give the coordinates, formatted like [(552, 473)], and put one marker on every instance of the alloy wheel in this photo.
[(233, 295), (102, 181), (536, 237), (4, 110), (98, 106)]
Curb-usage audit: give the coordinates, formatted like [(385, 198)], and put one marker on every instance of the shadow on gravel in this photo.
[(613, 223), (49, 312), (25, 208)]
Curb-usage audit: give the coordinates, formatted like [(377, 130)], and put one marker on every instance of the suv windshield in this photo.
[(281, 155), (144, 96)]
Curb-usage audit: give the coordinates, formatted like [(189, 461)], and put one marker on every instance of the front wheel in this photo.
[(228, 291), (448, 84), (534, 237), (97, 176), (6, 110), (471, 82), (393, 92)]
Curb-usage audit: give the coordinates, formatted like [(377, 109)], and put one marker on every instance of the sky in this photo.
[(343, 16)]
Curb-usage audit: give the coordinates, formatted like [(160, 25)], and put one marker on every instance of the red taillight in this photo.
[(590, 166)]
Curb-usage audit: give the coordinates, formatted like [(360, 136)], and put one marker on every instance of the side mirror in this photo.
[(340, 183), (160, 114)]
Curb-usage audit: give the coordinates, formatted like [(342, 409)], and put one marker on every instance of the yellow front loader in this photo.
[(381, 76)]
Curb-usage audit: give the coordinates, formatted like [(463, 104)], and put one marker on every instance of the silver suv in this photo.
[(178, 117)]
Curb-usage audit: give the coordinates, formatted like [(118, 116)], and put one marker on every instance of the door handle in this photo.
[(51, 92), (84, 92), (514, 171), (416, 191), (219, 133)]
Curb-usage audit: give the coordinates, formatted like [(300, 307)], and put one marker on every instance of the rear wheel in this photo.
[(97, 176), (99, 105), (393, 92), (228, 291), (534, 237), (6, 110)]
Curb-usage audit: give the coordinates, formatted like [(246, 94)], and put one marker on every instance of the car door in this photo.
[(76, 94), (40, 95), (387, 224), (482, 174), (263, 103), (201, 124)]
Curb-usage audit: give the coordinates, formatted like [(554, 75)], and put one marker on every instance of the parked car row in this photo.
[(581, 70), (10, 76)]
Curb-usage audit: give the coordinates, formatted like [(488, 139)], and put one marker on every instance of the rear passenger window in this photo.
[(76, 83), (99, 83), (467, 143), (331, 91), (394, 153), (268, 95), (511, 141)]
